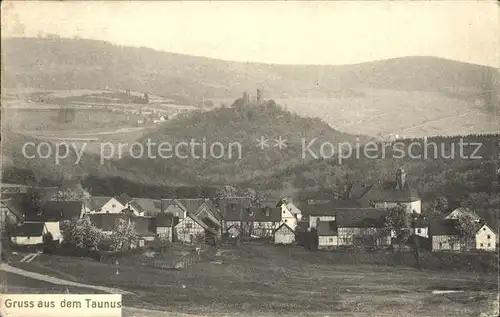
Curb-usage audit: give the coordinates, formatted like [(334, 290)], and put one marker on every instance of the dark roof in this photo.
[(145, 226), (358, 191), (443, 227), (151, 206), (361, 218), (327, 228), (106, 222), (46, 214), (202, 223), (465, 211), (123, 199), (421, 223), (136, 206), (230, 207), (239, 213), (29, 229), (96, 202), (235, 209), (329, 209), (164, 219), (69, 209), (190, 205), (210, 223), (286, 226), (302, 226), (214, 210), (270, 203), (388, 193), (265, 214)]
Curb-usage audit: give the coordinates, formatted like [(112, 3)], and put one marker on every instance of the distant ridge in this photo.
[(72, 63)]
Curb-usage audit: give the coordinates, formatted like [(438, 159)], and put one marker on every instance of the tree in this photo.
[(476, 202), (68, 194), (123, 236), (398, 220), (254, 195), (440, 204), (35, 198), (467, 229), (81, 233), (227, 191)]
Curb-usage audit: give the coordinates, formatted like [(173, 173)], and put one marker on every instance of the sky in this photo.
[(296, 32)]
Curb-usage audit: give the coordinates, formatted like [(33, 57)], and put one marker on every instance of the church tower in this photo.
[(400, 179)]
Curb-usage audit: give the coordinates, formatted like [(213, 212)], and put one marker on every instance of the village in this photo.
[(330, 224)]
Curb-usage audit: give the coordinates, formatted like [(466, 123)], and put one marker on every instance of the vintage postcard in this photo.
[(250, 158)]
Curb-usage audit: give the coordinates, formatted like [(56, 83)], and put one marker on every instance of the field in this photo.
[(98, 116), (267, 280), (384, 112)]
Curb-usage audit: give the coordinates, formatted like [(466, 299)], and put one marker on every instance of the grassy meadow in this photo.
[(267, 280)]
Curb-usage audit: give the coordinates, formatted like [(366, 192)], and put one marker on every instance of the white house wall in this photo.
[(27, 240), (445, 243), (414, 206), (421, 232), (113, 206), (54, 229), (164, 233), (264, 229), (284, 236), (486, 239), (347, 236), (313, 220), (287, 217), (327, 241)]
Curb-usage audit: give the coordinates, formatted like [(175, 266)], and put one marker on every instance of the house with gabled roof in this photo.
[(290, 214), (462, 211), (486, 238), (284, 234), (145, 228), (201, 208), (151, 207), (95, 204), (234, 231), (234, 211), (445, 236), (362, 227), (29, 233), (115, 205), (53, 212), (263, 221), (191, 228), (327, 211), (392, 194)]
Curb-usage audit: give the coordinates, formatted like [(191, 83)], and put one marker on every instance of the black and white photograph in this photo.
[(250, 158)]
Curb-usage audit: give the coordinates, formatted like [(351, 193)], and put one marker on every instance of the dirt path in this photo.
[(58, 281), (126, 311)]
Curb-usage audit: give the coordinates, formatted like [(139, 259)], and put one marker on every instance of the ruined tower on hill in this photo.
[(260, 96)]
